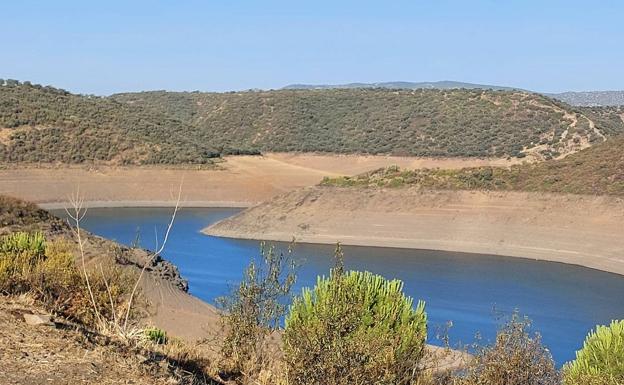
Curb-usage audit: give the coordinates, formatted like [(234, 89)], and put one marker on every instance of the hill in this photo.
[(598, 170), (439, 123), (579, 99), (591, 98), (45, 124)]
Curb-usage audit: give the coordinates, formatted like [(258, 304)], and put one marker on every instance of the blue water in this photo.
[(563, 301)]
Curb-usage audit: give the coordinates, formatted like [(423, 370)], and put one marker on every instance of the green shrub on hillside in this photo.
[(354, 328), (44, 124), (598, 170), (21, 256), (601, 360), (155, 335), (47, 270)]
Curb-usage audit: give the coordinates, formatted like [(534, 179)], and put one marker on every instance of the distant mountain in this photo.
[(591, 98), (441, 85), (579, 99)]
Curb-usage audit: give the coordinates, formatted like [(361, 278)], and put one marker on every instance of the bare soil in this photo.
[(65, 354), (581, 230), (238, 181)]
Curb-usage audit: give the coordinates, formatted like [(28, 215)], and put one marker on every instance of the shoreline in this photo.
[(398, 244), (577, 230), (56, 205), (557, 255)]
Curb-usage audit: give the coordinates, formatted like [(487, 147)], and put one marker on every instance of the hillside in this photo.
[(440, 123), (598, 170), (591, 98), (573, 98), (45, 124)]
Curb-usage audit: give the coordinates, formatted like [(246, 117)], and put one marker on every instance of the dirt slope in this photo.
[(575, 229), (239, 181), (169, 306), (37, 355)]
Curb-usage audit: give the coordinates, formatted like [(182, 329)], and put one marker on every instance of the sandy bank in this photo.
[(581, 230), (239, 181), (154, 203)]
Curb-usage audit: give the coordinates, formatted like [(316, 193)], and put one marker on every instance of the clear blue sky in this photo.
[(131, 45)]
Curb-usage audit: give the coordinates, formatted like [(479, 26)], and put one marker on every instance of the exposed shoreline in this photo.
[(578, 230), (154, 204), (239, 181)]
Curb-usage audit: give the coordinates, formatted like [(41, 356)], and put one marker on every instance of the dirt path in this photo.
[(240, 181)]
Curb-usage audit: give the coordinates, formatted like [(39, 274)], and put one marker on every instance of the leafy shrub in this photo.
[(516, 358), (28, 263), (155, 335), (354, 328), (20, 255), (601, 360), (252, 312)]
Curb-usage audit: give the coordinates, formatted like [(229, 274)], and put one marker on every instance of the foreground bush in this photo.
[(354, 328), (47, 270), (252, 313), (601, 360), (516, 358)]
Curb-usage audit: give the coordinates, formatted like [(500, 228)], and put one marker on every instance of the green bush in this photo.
[(21, 254), (47, 270), (155, 335), (601, 360), (354, 328)]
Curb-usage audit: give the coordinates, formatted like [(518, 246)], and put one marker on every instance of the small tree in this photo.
[(254, 310), (354, 328), (516, 358)]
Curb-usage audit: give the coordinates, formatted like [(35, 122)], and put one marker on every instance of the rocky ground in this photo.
[(59, 353)]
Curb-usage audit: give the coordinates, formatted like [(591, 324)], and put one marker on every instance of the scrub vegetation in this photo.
[(601, 360), (46, 124), (598, 170), (422, 122)]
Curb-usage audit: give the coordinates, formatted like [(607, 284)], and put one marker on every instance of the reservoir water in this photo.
[(473, 291)]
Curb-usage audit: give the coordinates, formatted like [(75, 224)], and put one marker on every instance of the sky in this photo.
[(103, 47)]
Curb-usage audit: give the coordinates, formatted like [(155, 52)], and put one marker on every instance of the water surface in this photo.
[(470, 290)]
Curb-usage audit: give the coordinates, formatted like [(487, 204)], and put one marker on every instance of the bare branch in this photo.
[(154, 254), (76, 203)]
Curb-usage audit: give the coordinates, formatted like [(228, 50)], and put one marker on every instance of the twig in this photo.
[(79, 213), (151, 258)]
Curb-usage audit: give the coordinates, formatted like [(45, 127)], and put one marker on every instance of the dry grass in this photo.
[(70, 354)]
